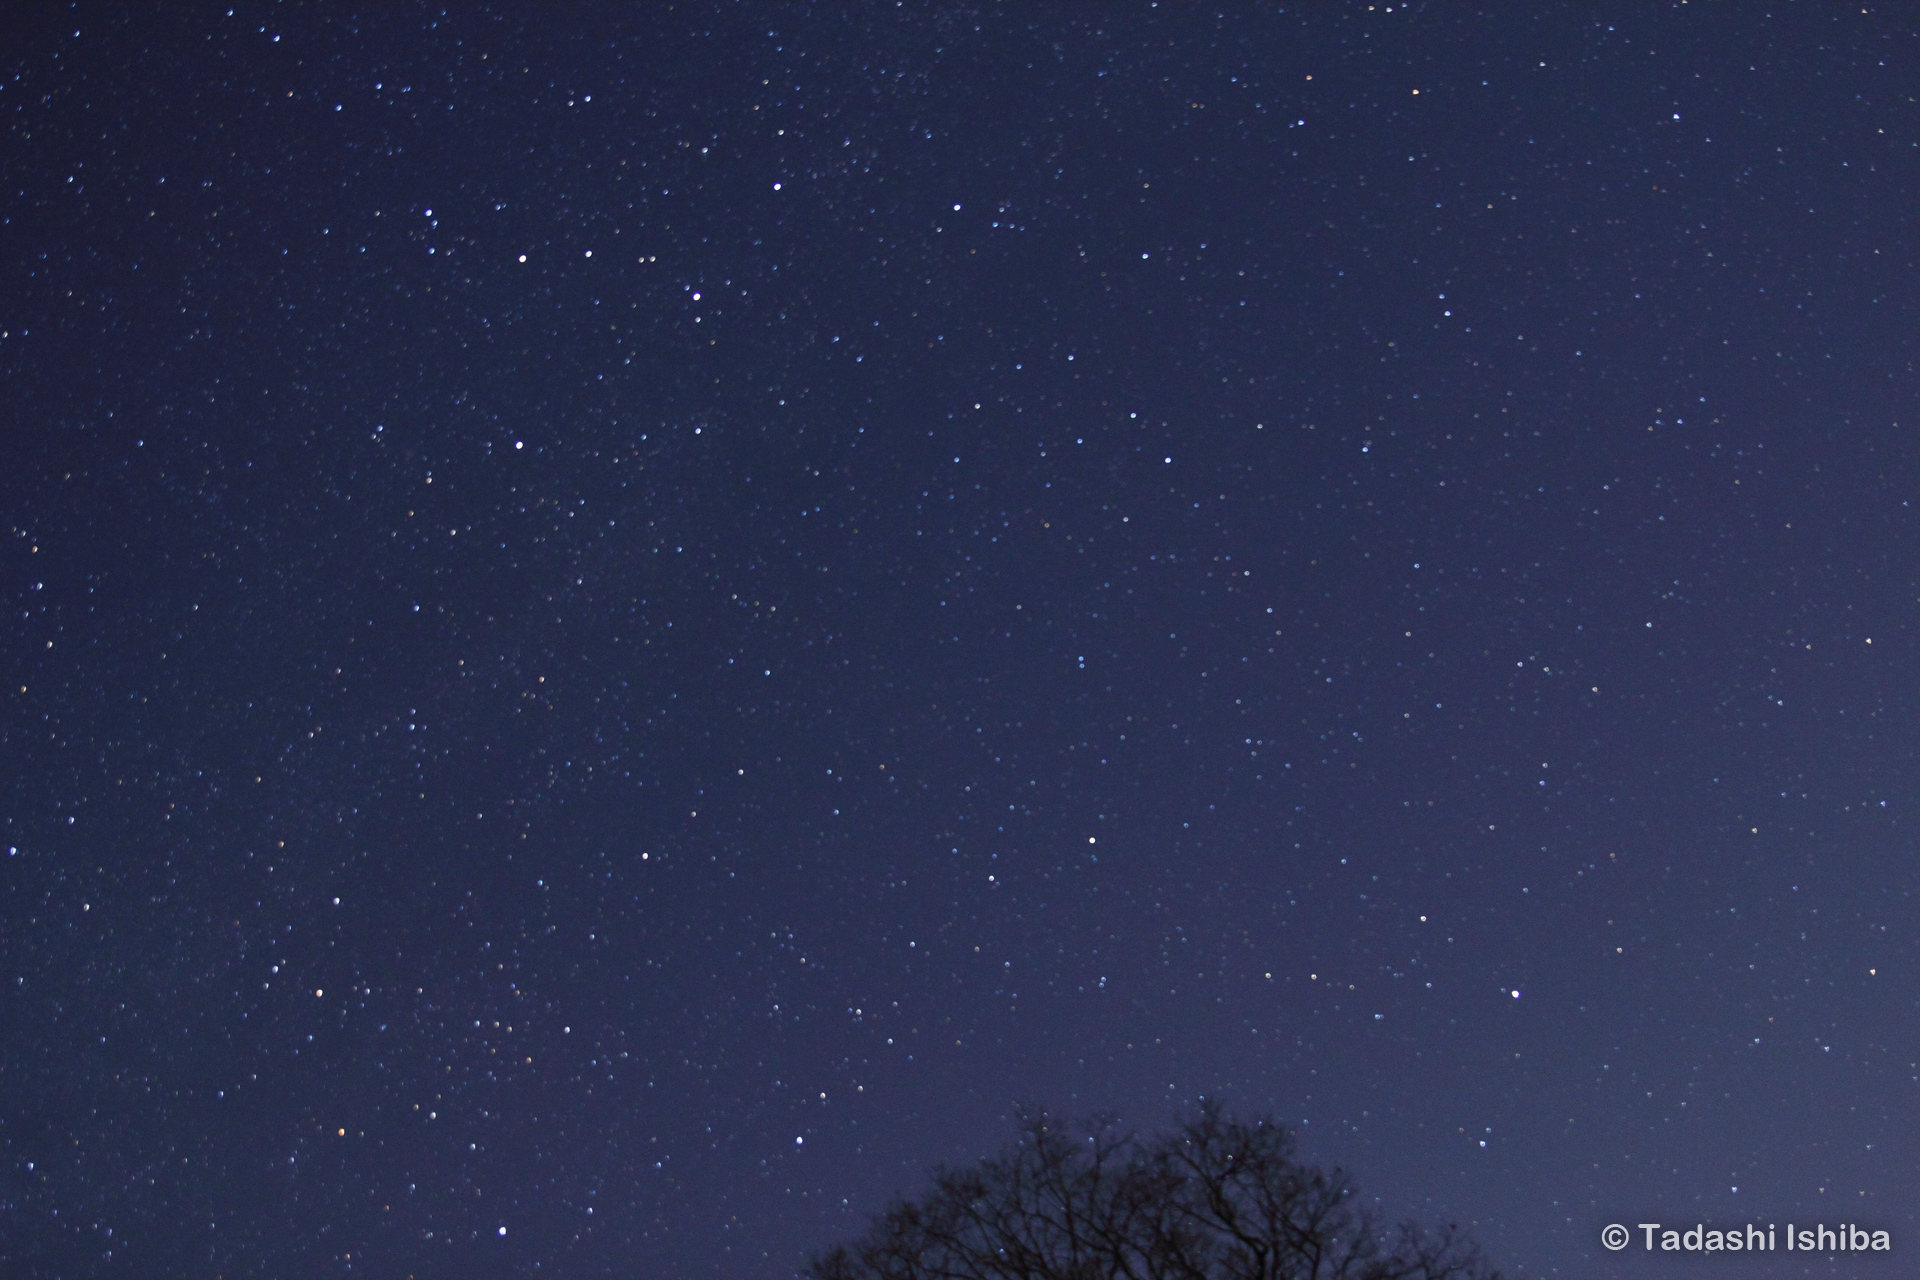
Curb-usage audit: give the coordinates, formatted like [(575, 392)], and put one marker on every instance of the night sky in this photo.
[(631, 623)]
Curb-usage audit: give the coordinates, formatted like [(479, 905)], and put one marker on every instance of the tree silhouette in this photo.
[(1215, 1199)]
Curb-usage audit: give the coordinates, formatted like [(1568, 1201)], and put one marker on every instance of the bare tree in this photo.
[(1215, 1199)]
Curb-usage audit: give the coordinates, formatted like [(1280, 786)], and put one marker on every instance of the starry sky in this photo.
[(631, 623)]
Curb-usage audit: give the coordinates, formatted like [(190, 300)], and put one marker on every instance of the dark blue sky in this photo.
[(631, 623)]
